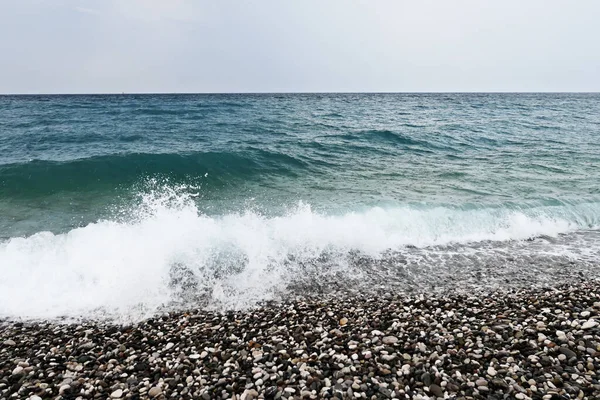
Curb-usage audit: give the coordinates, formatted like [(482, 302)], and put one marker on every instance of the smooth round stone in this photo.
[(389, 340), (481, 382), (589, 324)]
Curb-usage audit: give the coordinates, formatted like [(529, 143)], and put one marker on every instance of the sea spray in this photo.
[(164, 253)]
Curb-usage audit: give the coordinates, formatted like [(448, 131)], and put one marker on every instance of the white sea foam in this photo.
[(129, 269)]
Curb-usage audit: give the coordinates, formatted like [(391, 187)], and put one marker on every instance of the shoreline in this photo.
[(519, 343)]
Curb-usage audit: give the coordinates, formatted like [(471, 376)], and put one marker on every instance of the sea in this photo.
[(122, 207)]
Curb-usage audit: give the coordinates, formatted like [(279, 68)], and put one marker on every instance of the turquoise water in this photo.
[(235, 195)]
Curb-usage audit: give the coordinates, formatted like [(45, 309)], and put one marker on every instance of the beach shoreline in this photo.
[(517, 343)]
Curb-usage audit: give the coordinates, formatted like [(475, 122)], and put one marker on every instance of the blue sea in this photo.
[(124, 206)]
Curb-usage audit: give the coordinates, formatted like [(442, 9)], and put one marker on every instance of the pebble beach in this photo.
[(511, 344)]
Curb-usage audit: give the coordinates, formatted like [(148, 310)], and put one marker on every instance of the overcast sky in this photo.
[(99, 46)]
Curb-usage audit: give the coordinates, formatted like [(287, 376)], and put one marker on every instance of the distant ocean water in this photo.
[(122, 206)]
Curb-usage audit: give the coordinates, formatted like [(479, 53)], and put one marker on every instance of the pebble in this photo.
[(389, 340), (481, 382), (530, 343), (589, 324), (567, 352), (436, 390)]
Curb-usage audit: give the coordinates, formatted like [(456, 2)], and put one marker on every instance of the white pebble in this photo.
[(589, 324)]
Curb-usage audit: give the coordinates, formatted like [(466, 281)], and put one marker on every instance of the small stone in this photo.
[(154, 392), (491, 371), (343, 321), (567, 352), (9, 342), (541, 337), (436, 390), (87, 346), (249, 394), (499, 383), (389, 340), (426, 379), (169, 345), (116, 394), (589, 324), (452, 388), (18, 371)]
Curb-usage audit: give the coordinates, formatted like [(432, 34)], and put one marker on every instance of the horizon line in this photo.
[(289, 93)]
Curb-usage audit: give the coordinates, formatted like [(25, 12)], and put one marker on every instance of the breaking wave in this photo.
[(163, 252)]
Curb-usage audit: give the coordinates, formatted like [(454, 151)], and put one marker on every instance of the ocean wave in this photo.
[(383, 135), (396, 140), (43, 177), (166, 251)]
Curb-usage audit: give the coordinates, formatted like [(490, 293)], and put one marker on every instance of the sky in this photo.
[(152, 46)]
